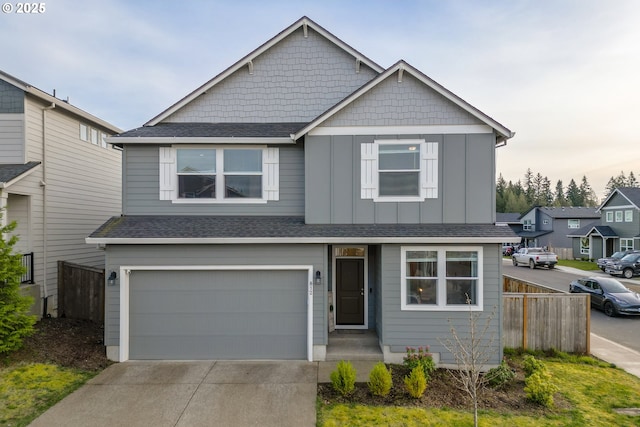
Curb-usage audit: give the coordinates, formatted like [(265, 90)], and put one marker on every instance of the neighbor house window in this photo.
[(441, 278), (545, 221), (94, 136), (574, 223), (103, 139), (618, 216), (584, 246), (84, 132), (626, 244), (526, 225), (399, 170), (219, 174), (609, 216), (628, 216)]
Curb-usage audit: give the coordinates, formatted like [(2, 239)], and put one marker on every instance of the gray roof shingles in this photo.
[(570, 212), (631, 193), (215, 130), (168, 227), (12, 171)]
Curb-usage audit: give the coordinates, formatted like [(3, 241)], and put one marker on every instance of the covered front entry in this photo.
[(350, 287), (216, 314)]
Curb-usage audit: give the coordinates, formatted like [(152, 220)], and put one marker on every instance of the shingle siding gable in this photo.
[(408, 103), (294, 81)]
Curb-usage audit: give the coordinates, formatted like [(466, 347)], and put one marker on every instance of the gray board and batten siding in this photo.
[(141, 187), (223, 255), (295, 80), (429, 328), (466, 168)]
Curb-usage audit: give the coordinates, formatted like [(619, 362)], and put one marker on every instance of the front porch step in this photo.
[(353, 345)]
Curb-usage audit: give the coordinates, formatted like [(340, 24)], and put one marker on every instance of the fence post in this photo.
[(524, 321)]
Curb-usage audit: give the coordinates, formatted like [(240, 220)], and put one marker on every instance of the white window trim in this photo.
[(84, 132), (527, 225), (628, 215), (442, 283), (270, 175), (609, 216), (618, 216), (334, 275), (369, 171), (573, 223), (627, 241)]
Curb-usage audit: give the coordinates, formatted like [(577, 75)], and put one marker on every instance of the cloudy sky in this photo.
[(563, 74)]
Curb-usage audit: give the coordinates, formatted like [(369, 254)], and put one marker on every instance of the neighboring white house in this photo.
[(59, 180)]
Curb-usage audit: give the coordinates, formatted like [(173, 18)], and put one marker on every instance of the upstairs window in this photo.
[(215, 174), (618, 216), (628, 216), (574, 223), (609, 216), (402, 170), (526, 225)]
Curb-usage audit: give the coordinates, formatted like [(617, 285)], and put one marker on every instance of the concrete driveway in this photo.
[(199, 393)]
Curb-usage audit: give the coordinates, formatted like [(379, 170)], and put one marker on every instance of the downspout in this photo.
[(45, 234)]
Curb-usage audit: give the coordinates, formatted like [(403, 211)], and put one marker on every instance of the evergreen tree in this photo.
[(632, 181), (573, 194), (587, 194), (559, 199), (529, 188), (15, 322), (501, 187)]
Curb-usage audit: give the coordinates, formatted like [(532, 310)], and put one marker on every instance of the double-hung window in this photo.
[(626, 244), (628, 216), (609, 216), (573, 223), (526, 225), (441, 278), (219, 174), (399, 170)]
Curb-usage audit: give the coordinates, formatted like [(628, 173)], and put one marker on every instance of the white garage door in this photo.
[(189, 315)]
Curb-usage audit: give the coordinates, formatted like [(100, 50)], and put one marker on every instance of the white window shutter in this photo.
[(429, 167), (271, 173), (168, 174), (368, 170)]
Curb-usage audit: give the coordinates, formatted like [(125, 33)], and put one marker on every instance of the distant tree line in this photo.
[(536, 190)]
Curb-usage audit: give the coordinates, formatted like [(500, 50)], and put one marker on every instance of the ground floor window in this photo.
[(441, 278), (626, 244), (584, 246)]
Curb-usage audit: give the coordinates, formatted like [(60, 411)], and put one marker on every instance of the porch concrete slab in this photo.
[(103, 405), (250, 372), (154, 372), (251, 404), (363, 369)]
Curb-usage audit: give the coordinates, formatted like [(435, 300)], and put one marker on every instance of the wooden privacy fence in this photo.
[(80, 292), (542, 320)]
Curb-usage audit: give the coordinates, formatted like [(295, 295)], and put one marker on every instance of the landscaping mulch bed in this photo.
[(64, 342), (442, 392)]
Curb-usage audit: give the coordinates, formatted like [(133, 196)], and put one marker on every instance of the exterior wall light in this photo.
[(111, 281), (318, 278)]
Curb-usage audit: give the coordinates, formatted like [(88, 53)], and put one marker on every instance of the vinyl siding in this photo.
[(149, 255), (466, 182), (141, 192), (423, 328), (294, 81), (83, 187), (12, 150)]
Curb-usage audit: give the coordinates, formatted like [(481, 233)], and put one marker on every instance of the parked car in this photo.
[(608, 295), (602, 262), (627, 266), (535, 257)]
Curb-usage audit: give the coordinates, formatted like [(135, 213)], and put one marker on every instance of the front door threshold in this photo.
[(354, 344)]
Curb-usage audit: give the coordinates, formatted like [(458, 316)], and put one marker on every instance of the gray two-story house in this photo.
[(548, 226), (304, 189), (617, 230)]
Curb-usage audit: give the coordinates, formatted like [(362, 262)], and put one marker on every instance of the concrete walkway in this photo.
[(198, 393)]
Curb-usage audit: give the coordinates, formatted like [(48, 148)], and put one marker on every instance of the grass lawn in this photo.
[(28, 390), (589, 391), (581, 265)]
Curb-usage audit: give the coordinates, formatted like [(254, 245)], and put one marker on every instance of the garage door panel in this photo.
[(218, 315)]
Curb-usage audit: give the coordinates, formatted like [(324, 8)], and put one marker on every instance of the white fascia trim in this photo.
[(399, 130), (254, 54), (202, 140), (19, 177), (124, 294), (617, 208), (299, 240)]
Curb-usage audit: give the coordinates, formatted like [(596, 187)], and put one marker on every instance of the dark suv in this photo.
[(602, 262), (627, 266)]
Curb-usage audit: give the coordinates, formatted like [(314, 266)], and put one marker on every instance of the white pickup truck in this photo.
[(534, 257)]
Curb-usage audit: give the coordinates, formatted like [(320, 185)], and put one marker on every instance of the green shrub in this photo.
[(539, 388), (420, 358), (380, 381), (416, 383), (530, 365), (343, 378), (500, 375), (15, 321)]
